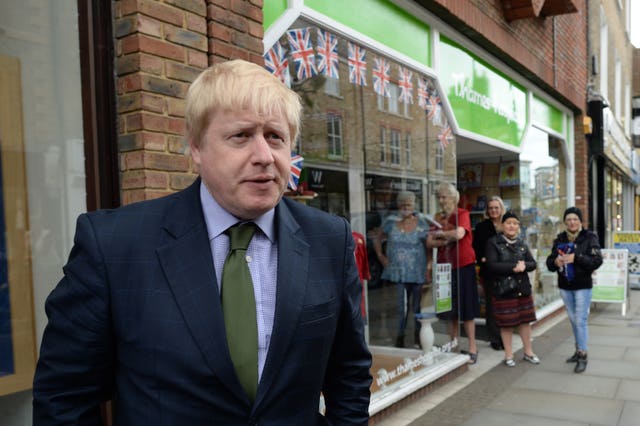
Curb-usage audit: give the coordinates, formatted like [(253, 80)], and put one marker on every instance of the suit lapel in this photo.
[(293, 270), (188, 266)]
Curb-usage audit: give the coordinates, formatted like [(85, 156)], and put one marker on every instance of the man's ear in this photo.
[(193, 148)]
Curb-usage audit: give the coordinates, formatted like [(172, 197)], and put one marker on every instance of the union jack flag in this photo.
[(327, 54), (423, 93), (381, 77), (357, 59), (302, 53), (406, 85), (276, 62), (445, 136), (433, 105), (296, 169)]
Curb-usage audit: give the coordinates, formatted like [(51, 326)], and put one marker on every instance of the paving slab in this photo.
[(570, 383), (630, 414), (594, 411), (500, 418), (629, 390)]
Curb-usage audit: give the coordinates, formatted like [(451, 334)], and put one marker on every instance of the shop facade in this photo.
[(387, 112), (408, 110)]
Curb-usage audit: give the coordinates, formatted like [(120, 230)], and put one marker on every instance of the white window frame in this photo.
[(407, 150), (439, 158), (383, 145), (394, 146), (334, 135)]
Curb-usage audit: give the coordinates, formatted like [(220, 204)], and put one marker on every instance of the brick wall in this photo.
[(161, 46)]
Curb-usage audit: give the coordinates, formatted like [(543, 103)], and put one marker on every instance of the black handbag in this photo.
[(509, 286), (504, 287)]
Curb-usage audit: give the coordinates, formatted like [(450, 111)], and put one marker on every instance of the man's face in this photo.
[(245, 161)]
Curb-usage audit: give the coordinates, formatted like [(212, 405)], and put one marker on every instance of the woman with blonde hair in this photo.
[(486, 229)]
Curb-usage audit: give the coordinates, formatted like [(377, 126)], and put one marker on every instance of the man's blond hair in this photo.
[(239, 86)]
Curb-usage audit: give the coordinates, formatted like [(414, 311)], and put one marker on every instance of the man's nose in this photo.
[(262, 150)]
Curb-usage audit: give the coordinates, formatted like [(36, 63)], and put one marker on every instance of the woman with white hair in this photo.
[(454, 243), (405, 260)]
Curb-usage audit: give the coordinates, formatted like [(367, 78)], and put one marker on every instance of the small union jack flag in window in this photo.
[(445, 136), (327, 54), (423, 93), (302, 53), (433, 105), (296, 169), (406, 85), (381, 77), (276, 62), (357, 59)]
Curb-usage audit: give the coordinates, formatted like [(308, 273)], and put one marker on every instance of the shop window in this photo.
[(395, 147), (334, 135), (363, 148)]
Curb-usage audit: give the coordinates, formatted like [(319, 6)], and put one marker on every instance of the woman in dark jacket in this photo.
[(486, 229), (509, 259), (574, 256)]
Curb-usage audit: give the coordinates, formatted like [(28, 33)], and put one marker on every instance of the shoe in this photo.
[(497, 346), (581, 364), (533, 358), (573, 358), (509, 362), (473, 357)]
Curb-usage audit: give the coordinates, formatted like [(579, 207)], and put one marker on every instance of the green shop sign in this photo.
[(378, 19), (483, 100)]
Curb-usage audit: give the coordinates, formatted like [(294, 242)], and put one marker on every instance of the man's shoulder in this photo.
[(311, 216), (141, 211)]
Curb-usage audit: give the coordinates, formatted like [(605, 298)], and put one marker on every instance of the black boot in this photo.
[(573, 358), (581, 364), (400, 341), (416, 338)]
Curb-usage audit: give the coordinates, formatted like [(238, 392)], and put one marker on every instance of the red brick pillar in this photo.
[(161, 46), (235, 30)]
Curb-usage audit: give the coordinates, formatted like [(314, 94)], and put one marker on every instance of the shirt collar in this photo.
[(218, 219)]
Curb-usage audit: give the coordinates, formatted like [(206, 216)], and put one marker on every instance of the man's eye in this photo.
[(274, 137)]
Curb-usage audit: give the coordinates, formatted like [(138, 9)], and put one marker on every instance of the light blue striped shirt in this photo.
[(263, 263)]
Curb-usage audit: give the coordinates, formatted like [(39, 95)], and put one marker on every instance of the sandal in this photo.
[(473, 357), (509, 362)]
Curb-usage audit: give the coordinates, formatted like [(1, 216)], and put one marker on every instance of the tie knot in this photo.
[(240, 235)]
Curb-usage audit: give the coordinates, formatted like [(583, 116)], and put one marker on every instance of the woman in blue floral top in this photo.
[(405, 261)]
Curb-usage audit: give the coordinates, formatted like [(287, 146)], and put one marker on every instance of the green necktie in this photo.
[(239, 307)]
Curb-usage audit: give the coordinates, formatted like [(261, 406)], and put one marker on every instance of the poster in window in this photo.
[(469, 175), (17, 341), (509, 174)]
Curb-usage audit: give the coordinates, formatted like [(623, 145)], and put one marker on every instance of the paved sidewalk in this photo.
[(550, 394)]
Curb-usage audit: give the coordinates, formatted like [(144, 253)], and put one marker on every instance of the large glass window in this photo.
[(395, 146), (542, 200), (42, 189)]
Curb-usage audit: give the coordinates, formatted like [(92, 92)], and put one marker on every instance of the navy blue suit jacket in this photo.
[(137, 318)]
